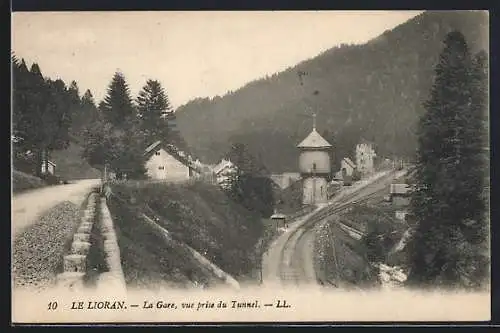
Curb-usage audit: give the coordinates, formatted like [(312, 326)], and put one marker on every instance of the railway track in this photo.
[(292, 272)]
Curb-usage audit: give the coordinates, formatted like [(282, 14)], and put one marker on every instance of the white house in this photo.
[(223, 172), (365, 154), (347, 167), (163, 162), (49, 168)]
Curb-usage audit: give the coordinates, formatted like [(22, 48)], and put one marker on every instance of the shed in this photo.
[(278, 219), (49, 168), (400, 194)]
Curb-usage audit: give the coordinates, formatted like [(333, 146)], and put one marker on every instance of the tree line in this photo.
[(42, 115), (48, 114)]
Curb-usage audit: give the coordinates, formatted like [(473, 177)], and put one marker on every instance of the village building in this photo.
[(48, 168), (279, 220), (347, 167), (365, 155), (399, 195), (224, 171), (163, 162), (315, 167)]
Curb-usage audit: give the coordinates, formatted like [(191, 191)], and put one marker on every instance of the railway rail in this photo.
[(291, 271)]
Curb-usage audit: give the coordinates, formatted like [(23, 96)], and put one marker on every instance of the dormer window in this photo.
[(157, 153)]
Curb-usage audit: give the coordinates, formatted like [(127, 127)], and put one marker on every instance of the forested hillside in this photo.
[(47, 120), (374, 91)]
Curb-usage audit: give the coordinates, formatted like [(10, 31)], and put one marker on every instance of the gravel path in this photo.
[(28, 206), (38, 250)]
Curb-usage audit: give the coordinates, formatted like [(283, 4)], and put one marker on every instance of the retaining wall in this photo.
[(74, 266), (113, 279)]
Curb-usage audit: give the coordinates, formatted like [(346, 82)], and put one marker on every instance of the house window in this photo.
[(157, 153), (161, 168), (314, 166)]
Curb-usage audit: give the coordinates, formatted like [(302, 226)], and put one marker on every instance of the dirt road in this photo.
[(27, 207), (290, 258)]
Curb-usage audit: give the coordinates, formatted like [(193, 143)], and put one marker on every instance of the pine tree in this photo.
[(152, 107), (446, 202), (114, 138), (89, 107), (117, 107)]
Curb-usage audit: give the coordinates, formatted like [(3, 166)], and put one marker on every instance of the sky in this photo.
[(192, 54)]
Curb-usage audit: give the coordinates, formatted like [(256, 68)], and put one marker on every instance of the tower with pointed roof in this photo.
[(314, 166)]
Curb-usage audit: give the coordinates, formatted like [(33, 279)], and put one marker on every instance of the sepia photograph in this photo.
[(250, 166)]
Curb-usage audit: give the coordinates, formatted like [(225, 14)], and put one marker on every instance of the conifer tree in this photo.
[(89, 107), (117, 107), (114, 138), (446, 202), (152, 106)]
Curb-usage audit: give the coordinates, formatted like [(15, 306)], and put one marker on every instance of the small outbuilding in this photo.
[(279, 220), (400, 194)]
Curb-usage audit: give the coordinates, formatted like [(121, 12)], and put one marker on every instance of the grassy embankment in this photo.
[(22, 182), (197, 215)]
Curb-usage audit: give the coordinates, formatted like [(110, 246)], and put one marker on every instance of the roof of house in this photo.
[(278, 216), (400, 189), (314, 140), (152, 146), (223, 165), (172, 150), (349, 161)]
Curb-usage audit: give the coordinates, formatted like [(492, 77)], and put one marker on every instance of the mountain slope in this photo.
[(374, 91)]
